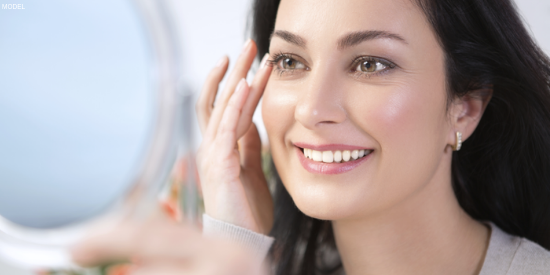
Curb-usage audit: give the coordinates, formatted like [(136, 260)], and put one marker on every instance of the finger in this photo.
[(226, 258), (205, 103), (131, 240), (256, 92), (228, 125), (91, 251), (239, 72), (162, 269), (251, 148), (170, 242)]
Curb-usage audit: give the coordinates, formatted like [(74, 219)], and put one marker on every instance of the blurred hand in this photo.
[(162, 247), (229, 158)]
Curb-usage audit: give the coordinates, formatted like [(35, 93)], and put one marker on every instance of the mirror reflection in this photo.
[(75, 108)]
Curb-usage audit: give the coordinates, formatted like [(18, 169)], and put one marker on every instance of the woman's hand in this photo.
[(164, 247), (229, 158)]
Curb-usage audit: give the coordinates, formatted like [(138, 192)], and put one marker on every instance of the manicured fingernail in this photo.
[(221, 62), (264, 61), (240, 86), (247, 43)]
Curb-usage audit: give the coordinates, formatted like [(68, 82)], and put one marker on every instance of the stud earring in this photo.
[(458, 143)]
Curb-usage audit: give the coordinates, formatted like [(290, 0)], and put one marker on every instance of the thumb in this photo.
[(251, 148)]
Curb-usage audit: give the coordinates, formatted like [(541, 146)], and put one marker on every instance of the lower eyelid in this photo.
[(282, 72), (360, 74)]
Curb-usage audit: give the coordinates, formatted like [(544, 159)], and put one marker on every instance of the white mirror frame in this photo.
[(47, 248)]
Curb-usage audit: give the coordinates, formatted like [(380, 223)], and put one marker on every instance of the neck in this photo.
[(428, 233)]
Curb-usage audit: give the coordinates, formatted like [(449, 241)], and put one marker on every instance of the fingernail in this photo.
[(241, 84), (221, 62), (264, 61), (246, 44)]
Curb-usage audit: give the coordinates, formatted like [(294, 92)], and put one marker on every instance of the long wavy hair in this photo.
[(502, 172)]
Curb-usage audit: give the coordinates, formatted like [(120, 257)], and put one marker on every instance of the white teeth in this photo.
[(328, 157), (335, 156), (316, 155), (346, 155)]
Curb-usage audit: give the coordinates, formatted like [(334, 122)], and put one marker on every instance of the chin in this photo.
[(323, 204)]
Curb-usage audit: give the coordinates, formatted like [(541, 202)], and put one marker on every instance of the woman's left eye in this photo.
[(372, 65)]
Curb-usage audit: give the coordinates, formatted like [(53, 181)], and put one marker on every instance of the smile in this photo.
[(337, 156), (331, 159)]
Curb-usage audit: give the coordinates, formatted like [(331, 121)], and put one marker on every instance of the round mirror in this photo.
[(89, 117)]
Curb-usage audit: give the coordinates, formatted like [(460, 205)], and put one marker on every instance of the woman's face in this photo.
[(355, 75)]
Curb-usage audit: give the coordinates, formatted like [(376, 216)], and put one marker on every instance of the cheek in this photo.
[(407, 121), (278, 105), (401, 113)]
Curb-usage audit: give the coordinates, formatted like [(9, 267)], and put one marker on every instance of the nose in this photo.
[(321, 100)]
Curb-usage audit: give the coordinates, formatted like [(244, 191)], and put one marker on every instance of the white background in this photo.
[(214, 28)]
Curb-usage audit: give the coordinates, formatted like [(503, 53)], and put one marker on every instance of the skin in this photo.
[(396, 212)]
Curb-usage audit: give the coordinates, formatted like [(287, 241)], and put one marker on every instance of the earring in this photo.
[(458, 143)]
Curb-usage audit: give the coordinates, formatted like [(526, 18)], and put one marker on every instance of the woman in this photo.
[(366, 108)]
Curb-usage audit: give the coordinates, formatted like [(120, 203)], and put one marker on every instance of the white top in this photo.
[(513, 255), (506, 254)]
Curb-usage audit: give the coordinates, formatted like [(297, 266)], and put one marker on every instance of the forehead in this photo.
[(325, 21)]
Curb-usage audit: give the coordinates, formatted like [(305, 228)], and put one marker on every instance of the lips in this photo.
[(331, 159)]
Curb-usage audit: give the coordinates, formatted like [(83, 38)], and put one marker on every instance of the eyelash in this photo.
[(278, 57)]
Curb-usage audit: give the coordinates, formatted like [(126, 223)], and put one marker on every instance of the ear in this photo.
[(465, 113)]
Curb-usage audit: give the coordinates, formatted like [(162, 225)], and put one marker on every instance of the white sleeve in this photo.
[(259, 243)]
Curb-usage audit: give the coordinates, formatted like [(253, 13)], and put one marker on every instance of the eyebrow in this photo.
[(346, 41), (290, 38), (355, 38)]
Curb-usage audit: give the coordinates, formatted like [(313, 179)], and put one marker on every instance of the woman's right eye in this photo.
[(286, 63), (291, 64)]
